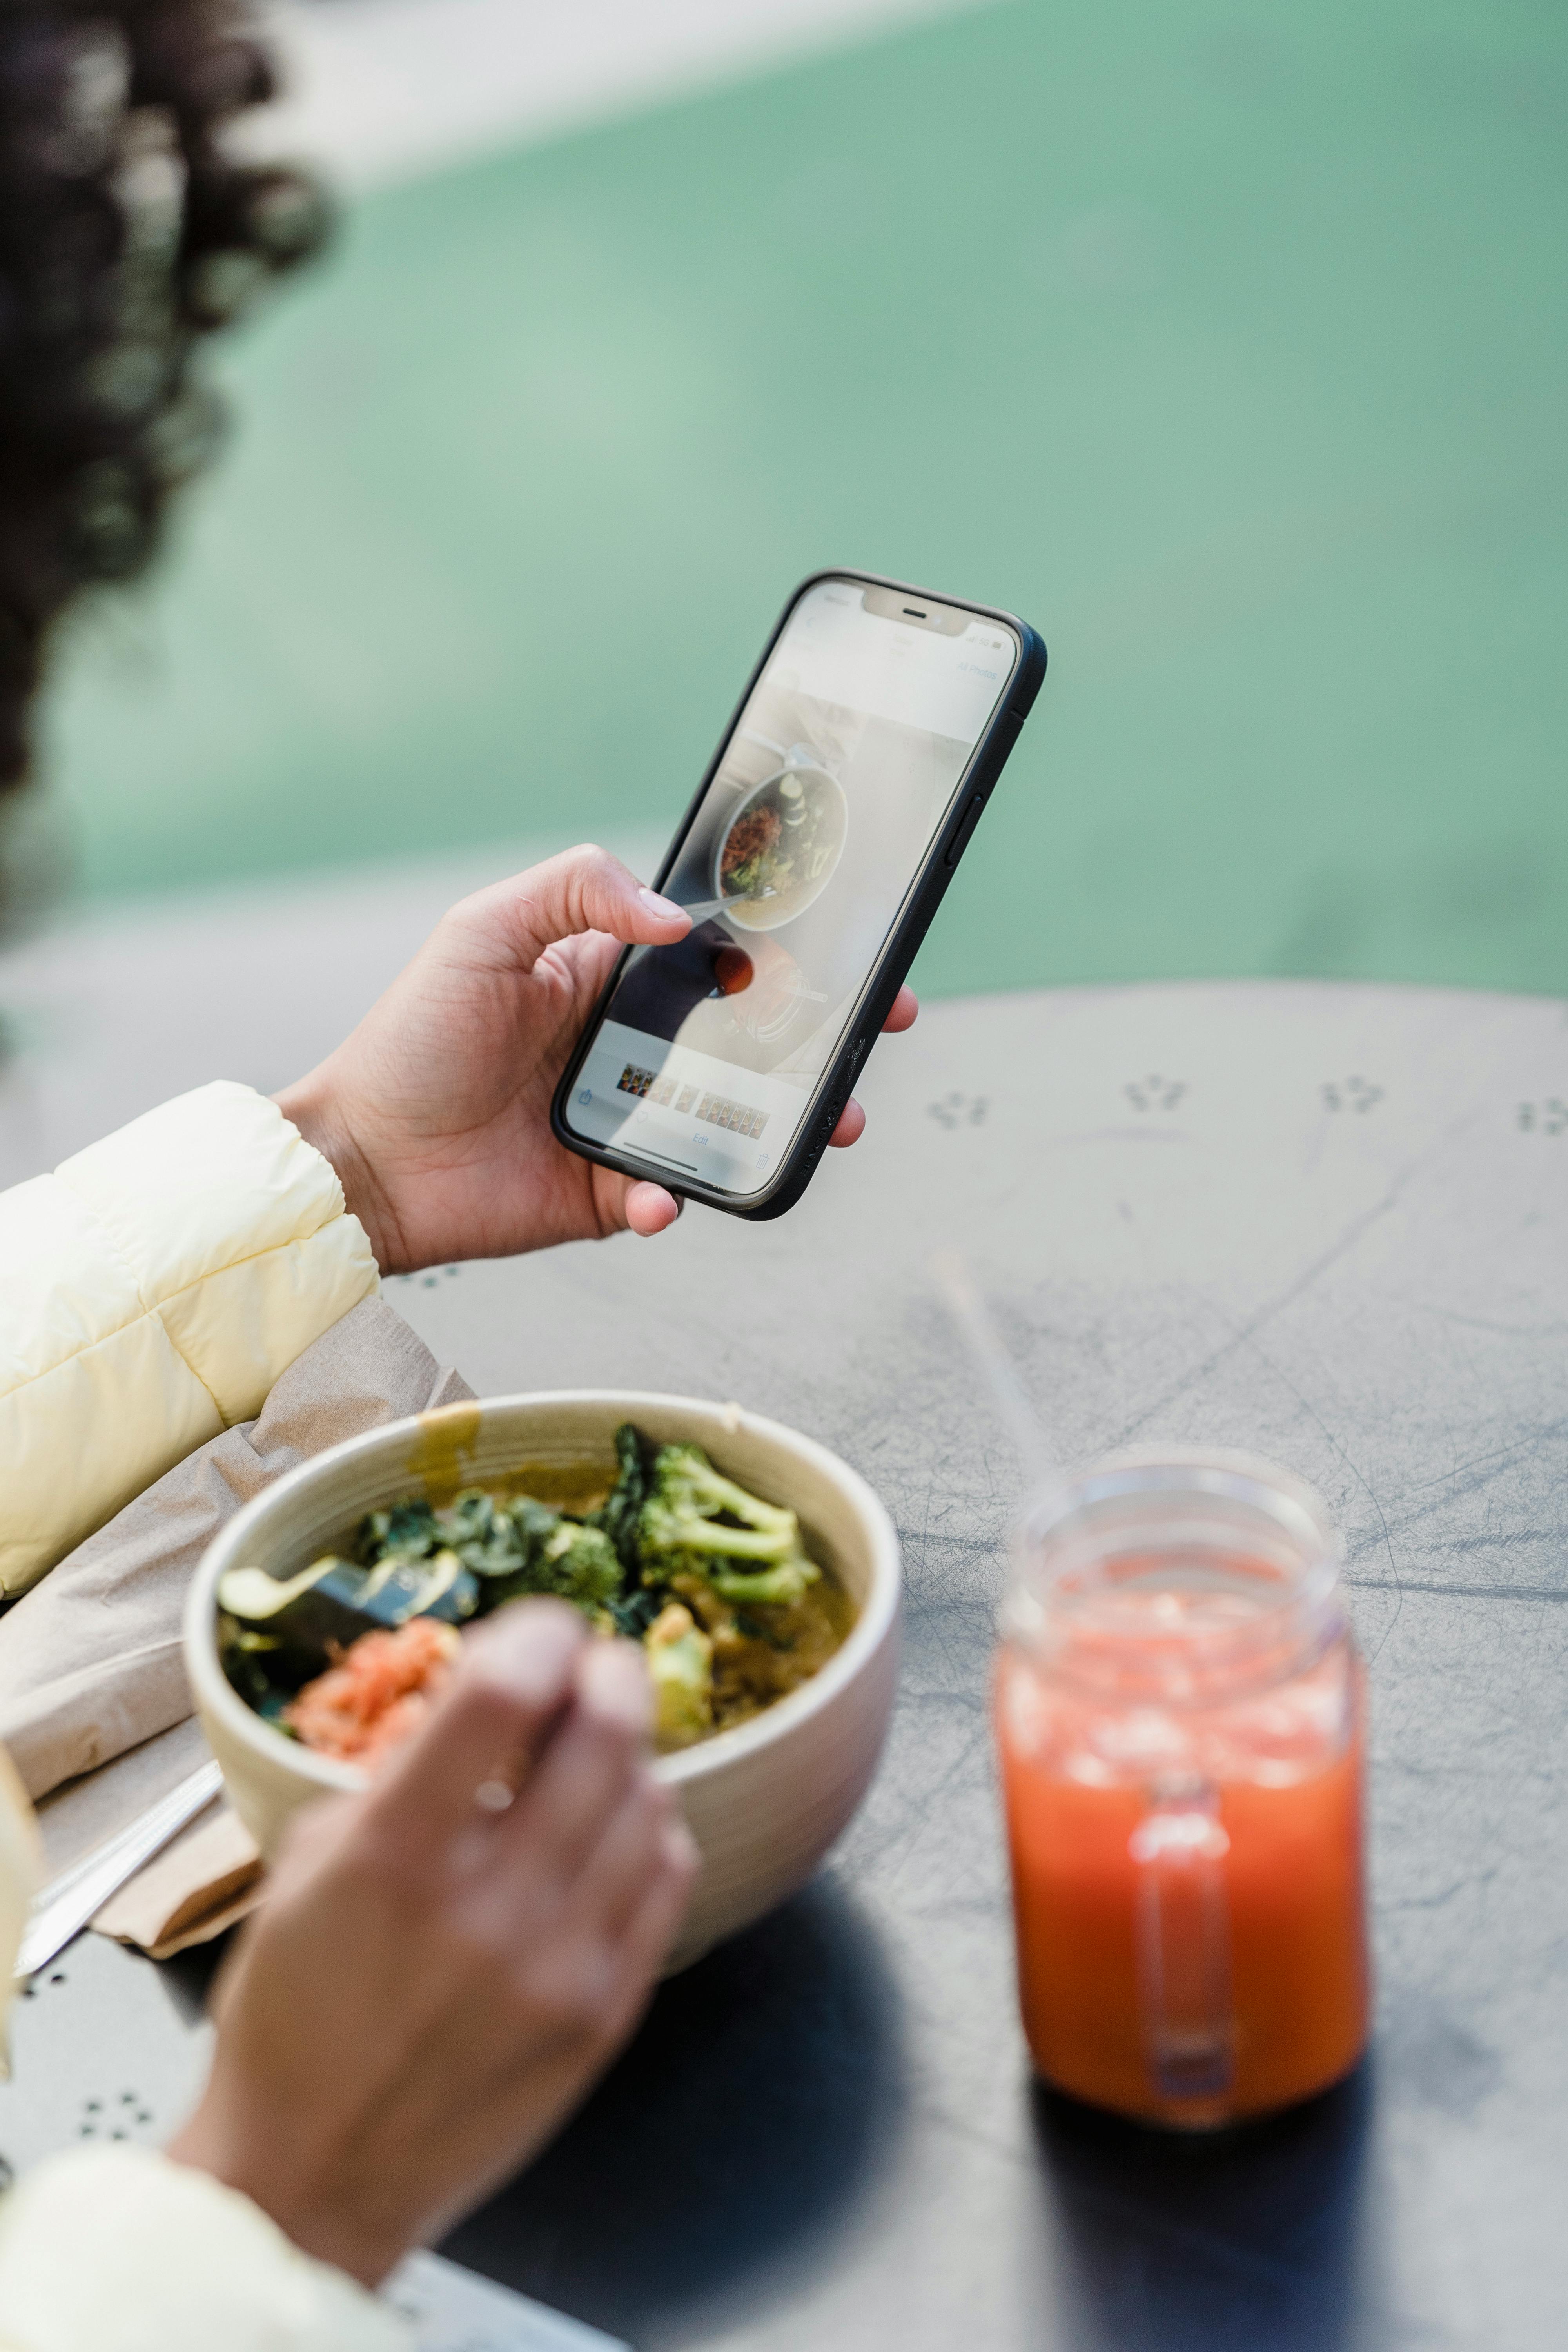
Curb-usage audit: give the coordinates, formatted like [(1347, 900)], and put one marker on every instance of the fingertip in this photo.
[(650, 1210), (851, 1126), (903, 1011)]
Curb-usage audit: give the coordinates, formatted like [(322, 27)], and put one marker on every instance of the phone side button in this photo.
[(959, 842)]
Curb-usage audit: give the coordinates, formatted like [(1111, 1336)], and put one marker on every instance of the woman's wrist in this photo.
[(270, 2177), (309, 1106)]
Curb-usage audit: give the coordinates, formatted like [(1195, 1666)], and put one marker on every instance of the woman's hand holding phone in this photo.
[(436, 1111)]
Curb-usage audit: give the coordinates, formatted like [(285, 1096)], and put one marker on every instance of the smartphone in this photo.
[(845, 789)]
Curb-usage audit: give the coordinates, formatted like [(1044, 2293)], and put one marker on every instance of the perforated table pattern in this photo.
[(1328, 1223)]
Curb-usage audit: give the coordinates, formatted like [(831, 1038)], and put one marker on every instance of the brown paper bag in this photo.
[(201, 1884)]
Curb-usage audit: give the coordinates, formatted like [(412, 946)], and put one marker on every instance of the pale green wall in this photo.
[(1226, 342)]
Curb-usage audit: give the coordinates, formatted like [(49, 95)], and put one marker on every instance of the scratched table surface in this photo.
[(1329, 1223)]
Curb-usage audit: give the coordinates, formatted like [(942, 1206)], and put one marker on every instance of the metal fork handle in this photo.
[(69, 1902)]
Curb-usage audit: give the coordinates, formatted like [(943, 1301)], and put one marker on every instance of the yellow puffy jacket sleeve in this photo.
[(117, 2250), (151, 1291)]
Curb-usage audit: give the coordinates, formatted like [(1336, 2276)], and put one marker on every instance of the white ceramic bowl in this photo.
[(765, 1801)]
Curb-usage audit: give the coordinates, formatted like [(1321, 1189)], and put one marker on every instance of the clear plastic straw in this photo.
[(966, 1304)]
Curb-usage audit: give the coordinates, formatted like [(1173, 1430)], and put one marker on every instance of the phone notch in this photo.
[(917, 611)]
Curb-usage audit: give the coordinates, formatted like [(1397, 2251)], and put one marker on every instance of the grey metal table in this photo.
[(1330, 1224)]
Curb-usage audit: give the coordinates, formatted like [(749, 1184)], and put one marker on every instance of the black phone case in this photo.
[(887, 976)]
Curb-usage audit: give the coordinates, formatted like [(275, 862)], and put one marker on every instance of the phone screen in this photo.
[(841, 768)]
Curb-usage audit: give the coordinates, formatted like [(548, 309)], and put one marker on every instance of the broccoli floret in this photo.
[(580, 1564), (778, 1586), (680, 1667), (511, 1545), (679, 1518), (574, 1562), (515, 1546)]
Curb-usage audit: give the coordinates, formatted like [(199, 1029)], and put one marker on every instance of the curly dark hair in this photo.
[(126, 236)]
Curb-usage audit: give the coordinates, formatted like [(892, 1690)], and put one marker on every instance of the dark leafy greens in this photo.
[(663, 1560)]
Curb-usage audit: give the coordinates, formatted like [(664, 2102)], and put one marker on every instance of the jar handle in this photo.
[(1183, 1932)]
